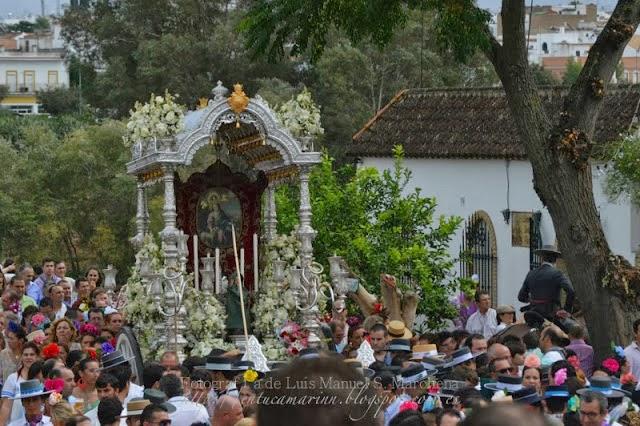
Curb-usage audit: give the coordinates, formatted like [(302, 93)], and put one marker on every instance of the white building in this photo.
[(462, 148), (30, 63)]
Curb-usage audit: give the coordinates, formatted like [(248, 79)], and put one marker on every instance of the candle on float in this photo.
[(217, 271), (196, 272), (255, 262)]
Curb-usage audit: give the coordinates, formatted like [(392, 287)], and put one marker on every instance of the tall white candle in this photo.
[(196, 263), (242, 263), (255, 262), (217, 275)]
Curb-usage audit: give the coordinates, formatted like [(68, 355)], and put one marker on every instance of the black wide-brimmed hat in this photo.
[(217, 363), (415, 374), (526, 395), (510, 384), (555, 391), (548, 248), (156, 396), (400, 345), (460, 356), (113, 359)]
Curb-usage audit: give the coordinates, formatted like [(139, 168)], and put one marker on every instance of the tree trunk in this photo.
[(559, 149)]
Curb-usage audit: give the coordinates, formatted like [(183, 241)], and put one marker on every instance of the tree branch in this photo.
[(585, 98), (513, 32)]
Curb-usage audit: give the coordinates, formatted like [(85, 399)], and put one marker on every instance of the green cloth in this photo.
[(27, 301)]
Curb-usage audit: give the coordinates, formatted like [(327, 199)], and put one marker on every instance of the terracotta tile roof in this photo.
[(472, 123), (8, 41)]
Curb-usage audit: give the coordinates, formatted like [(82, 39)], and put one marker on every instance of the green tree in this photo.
[(572, 72), (140, 52), (558, 143), (378, 226), (64, 191), (21, 27), (60, 100), (623, 174), (542, 76), (41, 23)]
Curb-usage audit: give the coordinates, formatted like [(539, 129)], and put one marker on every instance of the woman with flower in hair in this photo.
[(63, 332), (531, 374), (85, 390), (10, 409), (10, 356)]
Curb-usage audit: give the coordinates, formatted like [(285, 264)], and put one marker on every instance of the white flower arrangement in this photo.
[(274, 307), (205, 321), (301, 116), (161, 117)]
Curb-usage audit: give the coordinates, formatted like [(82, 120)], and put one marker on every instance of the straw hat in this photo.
[(397, 330)]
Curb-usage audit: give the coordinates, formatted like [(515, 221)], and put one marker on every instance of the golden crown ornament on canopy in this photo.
[(238, 101)]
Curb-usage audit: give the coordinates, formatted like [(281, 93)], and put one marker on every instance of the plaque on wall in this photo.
[(520, 229)]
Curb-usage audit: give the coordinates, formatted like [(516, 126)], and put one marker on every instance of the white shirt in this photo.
[(92, 415), (46, 421), (10, 389), (187, 412), (60, 312), (135, 391), (632, 353), (483, 324)]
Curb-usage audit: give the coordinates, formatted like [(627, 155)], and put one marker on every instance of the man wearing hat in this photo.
[(555, 402), (117, 364), (32, 396), (223, 382), (133, 411), (542, 286)]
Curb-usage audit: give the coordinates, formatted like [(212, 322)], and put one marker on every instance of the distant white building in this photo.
[(30, 63), (463, 149)]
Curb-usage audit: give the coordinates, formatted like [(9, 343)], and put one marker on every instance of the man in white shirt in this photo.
[(484, 321), (187, 412)]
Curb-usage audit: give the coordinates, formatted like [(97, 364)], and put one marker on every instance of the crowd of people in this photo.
[(59, 366)]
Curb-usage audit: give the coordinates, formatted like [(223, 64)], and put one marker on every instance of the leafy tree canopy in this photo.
[(273, 24), (369, 218)]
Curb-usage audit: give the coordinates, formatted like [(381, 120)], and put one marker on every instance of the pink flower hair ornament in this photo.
[(560, 377), (611, 364)]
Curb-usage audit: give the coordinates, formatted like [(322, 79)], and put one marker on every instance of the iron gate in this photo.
[(478, 254), (535, 240)]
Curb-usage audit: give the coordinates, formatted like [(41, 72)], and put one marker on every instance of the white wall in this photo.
[(38, 62), (462, 187)]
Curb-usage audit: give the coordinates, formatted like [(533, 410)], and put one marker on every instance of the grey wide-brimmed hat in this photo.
[(548, 248), (31, 388), (603, 385)]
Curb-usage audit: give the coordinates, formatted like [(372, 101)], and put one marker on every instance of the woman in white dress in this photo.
[(12, 409)]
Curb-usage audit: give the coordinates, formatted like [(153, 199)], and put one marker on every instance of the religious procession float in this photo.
[(219, 275)]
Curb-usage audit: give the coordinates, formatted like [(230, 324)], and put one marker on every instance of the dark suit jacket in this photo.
[(543, 284)]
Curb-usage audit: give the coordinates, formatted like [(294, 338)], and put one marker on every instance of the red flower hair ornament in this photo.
[(50, 351)]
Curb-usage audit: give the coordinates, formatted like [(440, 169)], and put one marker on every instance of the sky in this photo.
[(22, 7)]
